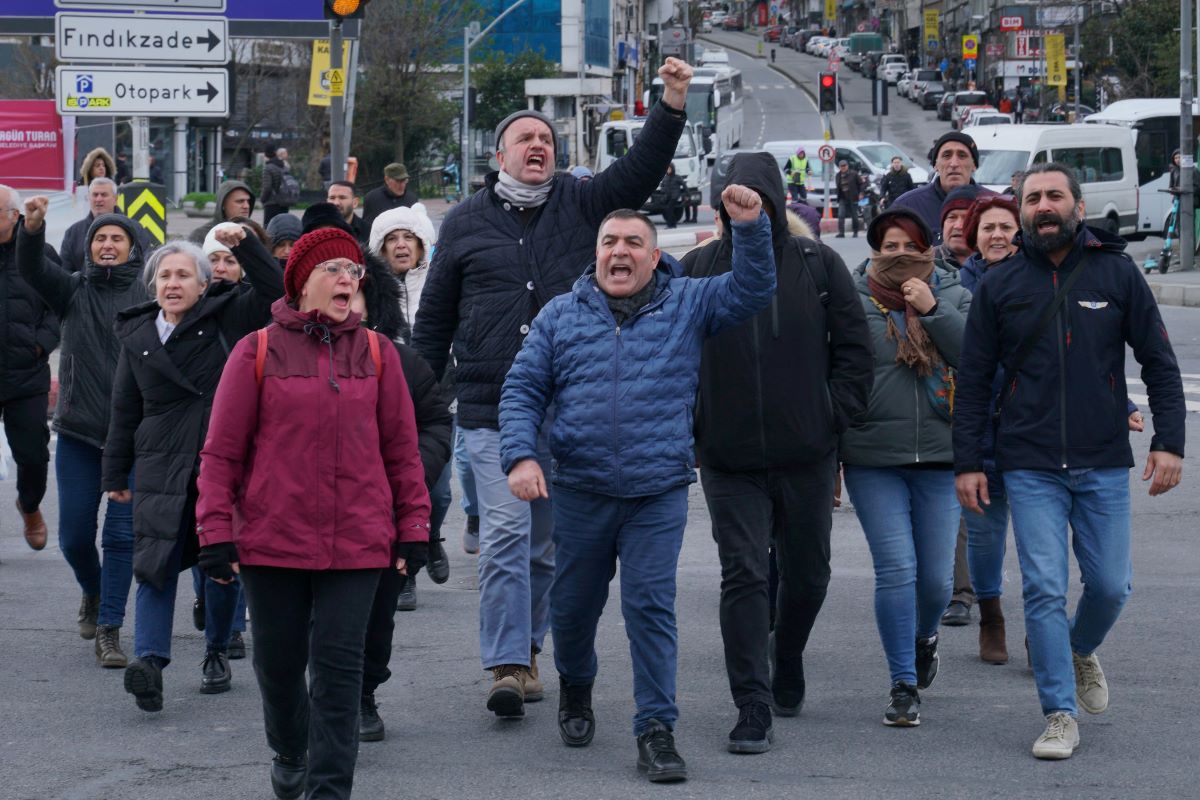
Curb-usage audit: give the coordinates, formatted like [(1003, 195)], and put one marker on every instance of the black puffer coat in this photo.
[(28, 323), (87, 303), (161, 400), (492, 272)]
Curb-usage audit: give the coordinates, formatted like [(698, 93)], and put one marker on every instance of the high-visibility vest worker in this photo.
[(798, 167)]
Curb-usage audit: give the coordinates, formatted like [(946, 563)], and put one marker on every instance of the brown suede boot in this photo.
[(992, 648)]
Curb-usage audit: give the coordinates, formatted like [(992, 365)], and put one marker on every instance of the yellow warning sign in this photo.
[(1056, 60), (324, 82), (146, 206)]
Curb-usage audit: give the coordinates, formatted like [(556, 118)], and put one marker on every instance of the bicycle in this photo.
[(1163, 262)]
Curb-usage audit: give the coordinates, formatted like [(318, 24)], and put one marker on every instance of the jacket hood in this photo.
[(382, 293), (290, 317), (758, 171), (90, 160), (223, 191), (136, 256)]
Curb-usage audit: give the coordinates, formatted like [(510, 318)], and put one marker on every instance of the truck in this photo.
[(617, 136)]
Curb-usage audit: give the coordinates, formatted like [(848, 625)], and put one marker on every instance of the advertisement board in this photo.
[(32, 150)]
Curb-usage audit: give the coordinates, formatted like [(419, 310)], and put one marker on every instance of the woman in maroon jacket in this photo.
[(310, 485)]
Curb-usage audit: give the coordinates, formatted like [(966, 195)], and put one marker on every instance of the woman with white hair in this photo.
[(173, 349)]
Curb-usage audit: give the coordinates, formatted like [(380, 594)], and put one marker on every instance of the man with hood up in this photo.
[(234, 199), (767, 428)]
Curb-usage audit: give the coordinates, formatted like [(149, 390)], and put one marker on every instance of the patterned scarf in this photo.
[(885, 276)]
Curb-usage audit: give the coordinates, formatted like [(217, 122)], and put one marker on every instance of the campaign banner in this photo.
[(33, 153)]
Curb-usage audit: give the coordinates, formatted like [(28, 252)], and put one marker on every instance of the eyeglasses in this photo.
[(355, 271)]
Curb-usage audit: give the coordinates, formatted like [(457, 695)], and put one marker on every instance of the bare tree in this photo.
[(31, 74)]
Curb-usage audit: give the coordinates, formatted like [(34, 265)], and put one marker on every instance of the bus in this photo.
[(1155, 127), (714, 107)]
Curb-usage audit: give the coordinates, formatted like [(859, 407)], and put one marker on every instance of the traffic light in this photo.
[(345, 9), (827, 93)]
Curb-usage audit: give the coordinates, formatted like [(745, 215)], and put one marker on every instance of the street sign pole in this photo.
[(1187, 162), (337, 105), (141, 148)]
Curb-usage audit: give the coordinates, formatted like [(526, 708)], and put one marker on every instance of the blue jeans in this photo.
[(986, 535), (516, 558), (1095, 503), (77, 470), (910, 518), (155, 612), (592, 531), (198, 587), (466, 478)]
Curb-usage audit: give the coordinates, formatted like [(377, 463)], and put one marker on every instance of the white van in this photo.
[(870, 158), (616, 137), (1102, 155)]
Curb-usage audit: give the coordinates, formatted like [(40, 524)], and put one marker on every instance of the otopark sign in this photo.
[(119, 91)]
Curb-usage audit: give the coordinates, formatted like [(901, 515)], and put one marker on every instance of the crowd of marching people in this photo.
[(281, 410)]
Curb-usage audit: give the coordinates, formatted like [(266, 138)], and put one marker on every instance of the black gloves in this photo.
[(217, 561), (415, 555)]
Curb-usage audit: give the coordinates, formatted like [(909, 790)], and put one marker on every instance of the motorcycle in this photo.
[(869, 201)]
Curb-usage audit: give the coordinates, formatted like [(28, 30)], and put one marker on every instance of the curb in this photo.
[(1175, 294), (683, 238)]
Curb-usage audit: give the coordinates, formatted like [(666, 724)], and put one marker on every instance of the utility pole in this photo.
[(1187, 147), (337, 105), (1078, 62)]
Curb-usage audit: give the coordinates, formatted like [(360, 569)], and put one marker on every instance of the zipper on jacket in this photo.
[(616, 393), (1062, 375)]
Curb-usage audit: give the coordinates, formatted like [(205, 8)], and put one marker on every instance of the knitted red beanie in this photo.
[(315, 248)]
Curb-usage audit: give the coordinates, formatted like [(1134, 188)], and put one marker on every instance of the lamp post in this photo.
[(471, 37)]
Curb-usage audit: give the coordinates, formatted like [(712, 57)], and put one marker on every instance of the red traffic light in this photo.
[(827, 80)]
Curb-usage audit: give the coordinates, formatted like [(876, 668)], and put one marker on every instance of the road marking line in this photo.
[(1143, 400)]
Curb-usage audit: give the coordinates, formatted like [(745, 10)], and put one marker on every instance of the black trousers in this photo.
[(749, 510), (847, 209), (272, 210), (380, 627), (29, 439), (314, 620)]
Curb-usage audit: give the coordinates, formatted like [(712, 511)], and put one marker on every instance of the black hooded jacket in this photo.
[(87, 302), (776, 391), (28, 323), (197, 236)]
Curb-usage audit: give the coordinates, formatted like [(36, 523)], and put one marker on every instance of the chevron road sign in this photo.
[(145, 204)]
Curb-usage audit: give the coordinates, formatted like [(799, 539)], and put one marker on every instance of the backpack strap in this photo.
[(820, 276), (376, 358), (260, 357)]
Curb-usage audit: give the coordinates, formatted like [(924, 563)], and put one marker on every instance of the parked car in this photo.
[(1058, 112), (931, 94), (870, 63), (706, 26), (944, 105), (974, 113), (960, 121), (990, 118), (813, 48), (963, 100), (772, 33), (718, 17), (919, 80), (893, 66), (904, 82), (733, 23), (871, 159)]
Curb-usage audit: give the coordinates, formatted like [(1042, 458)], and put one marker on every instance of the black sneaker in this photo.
[(216, 676), (905, 709), (370, 725), (576, 721), (657, 756), (287, 776), (237, 646), (439, 563), (198, 613), (957, 614), (927, 661), (407, 599), (143, 680), (753, 732)]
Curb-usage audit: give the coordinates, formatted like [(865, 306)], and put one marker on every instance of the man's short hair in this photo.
[(269, 151), (347, 184), (1052, 166), (102, 182), (14, 199), (629, 213)]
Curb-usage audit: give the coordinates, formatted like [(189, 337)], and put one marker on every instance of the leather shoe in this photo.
[(216, 676), (35, 528), (287, 776), (576, 722), (657, 756), (439, 563), (957, 614)]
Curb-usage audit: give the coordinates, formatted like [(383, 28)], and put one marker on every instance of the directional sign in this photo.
[(214, 6), (125, 38), (121, 92)]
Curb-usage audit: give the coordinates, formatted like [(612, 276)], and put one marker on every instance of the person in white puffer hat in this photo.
[(403, 238)]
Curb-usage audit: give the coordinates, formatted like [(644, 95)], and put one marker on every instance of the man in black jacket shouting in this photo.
[(775, 392), (503, 254), (1055, 324)]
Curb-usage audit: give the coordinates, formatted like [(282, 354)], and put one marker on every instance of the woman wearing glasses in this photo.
[(311, 485)]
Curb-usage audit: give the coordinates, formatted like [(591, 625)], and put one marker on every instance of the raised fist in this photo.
[(35, 212), (676, 74), (229, 234), (742, 203)]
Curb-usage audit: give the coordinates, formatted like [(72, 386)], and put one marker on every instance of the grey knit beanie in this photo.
[(526, 112)]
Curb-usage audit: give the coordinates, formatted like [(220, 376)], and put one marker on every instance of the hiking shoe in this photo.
[(657, 756), (198, 613), (237, 646), (89, 610), (370, 725), (927, 661), (507, 695), (143, 680), (108, 647), (576, 721), (287, 776), (957, 614), (439, 563), (904, 710), (35, 528), (534, 691), (753, 732), (407, 599), (1060, 738), (1091, 690), (216, 676), (471, 537)]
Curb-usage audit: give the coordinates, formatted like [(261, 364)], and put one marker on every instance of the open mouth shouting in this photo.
[(341, 300)]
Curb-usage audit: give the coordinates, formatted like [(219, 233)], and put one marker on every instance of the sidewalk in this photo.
[(1176, 288)]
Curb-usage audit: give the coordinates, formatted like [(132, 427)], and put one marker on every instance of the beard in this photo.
[(1054, 241)]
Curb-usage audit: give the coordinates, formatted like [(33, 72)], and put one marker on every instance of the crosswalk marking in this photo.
[(1191, 389)]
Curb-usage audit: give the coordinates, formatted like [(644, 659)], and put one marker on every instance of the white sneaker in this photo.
[(1060, 738), (1091, 690)]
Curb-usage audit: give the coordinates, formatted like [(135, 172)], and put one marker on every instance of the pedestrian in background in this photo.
[(343, 197), (849, 189), (673, 190), (87, 302), (234, 199), (31, 333), (283, 231), (898, 463), (896, 182), (313, 444), (97, 164), (394, 193), (272, 193)]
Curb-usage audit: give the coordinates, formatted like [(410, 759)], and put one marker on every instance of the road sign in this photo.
[(932, 44), (121, 92), (213, 6), (145, 204), (862, 26), (825, 153), (970, 47), (140, 39)]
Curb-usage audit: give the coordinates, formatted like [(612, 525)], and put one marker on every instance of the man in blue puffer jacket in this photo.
[(619, 357)]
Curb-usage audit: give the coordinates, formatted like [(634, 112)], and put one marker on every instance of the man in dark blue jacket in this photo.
[(954, 158), (619, 357), (503, 254), (1062, 442)]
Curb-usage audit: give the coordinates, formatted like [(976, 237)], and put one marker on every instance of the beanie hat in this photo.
[(211, 245), (886, 219), (284, 228), (526, 112), (316, 248), (582, 173), (413, 219), (959, 199), (322, 215), (954, 136)]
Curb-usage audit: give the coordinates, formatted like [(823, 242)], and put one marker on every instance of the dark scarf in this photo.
[(625, 307), (885, 276)]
